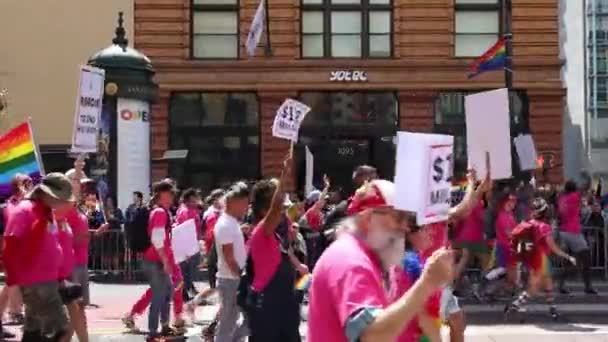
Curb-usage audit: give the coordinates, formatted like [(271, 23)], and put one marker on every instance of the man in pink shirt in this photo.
[(158, 261), (33, 257), (349, 295), (571, 235)]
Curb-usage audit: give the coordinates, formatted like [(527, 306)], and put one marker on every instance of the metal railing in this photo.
[(110, 258)]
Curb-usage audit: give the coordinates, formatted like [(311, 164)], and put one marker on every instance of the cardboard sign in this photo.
[(488, 130), (88, 110), (423, 175), (524, 145), (288, 119)]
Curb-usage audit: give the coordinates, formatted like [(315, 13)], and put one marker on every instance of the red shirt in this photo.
[(184, 214), (210, 222), (159, 219)]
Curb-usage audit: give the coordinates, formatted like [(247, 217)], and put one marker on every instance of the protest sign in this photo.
[(183, 241), (310, 169), (524, 145), (288, 119), (88, 110), (488, 130), (423, 175)]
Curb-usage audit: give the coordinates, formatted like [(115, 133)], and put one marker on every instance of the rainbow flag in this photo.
[(493, 59), (304, 282), (18, 155)]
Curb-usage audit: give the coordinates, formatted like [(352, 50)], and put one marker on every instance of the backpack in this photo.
[(523, 240), (136, 230)]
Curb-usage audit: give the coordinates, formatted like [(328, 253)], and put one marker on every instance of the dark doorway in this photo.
[(345, 130)]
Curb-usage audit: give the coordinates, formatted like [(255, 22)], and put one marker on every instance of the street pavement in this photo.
[(114, 300)]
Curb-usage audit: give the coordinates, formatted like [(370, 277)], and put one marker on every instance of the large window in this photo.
[(346, 28), (215, 29), (221, 133), (450, 119), (477, 26)]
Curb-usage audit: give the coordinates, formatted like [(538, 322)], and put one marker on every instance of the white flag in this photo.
[(256, 29)]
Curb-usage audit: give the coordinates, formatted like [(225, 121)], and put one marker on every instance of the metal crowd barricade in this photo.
[(598, 247), (111, 259)]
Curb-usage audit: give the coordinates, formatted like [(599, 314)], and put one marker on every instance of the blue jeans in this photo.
[(188, 268), (161, 286)]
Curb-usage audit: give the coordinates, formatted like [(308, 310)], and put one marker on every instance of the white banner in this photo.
[(133, 149), (88, 109), (423, 175), (488, 130), (256, 29), (288, 119)]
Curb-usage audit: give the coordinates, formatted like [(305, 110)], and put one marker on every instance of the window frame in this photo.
[(216, 8), (477, 8), (214, 131), (364, 8)]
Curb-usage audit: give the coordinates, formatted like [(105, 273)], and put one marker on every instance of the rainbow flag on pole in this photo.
[(493, 59), (18, 154)]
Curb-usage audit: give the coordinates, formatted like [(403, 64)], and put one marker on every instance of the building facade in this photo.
[(367, 68), (44, 43)]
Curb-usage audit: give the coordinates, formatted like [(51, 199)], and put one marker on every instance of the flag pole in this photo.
[(268, 48), (508, 35)]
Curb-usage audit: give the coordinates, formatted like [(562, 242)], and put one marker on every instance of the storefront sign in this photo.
[(133, 150), (348, 76)]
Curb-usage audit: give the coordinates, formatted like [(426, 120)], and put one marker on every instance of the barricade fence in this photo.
[(111, 259)]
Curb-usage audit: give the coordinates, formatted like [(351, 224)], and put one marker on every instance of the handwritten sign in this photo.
[(288, 119), (423, 175), (88, 110)]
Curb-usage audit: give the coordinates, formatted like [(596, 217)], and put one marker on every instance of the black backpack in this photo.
[(136, 230)]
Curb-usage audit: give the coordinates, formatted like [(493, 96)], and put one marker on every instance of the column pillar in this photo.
[(159, 136)]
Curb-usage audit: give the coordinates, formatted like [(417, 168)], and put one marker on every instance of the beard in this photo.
[(388, 246)]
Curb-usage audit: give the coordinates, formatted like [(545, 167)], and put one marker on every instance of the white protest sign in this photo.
[(423, 175), (309, 174), (488, 130), (288, 119), (184, 241), (88, 109), (524, 145)]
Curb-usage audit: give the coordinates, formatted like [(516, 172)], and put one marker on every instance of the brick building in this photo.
[(410, 56)]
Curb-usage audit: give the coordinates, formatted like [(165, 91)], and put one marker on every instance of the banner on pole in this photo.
[(88, 109), (18, 154)]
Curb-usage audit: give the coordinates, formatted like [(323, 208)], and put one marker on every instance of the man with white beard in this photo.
[(349, 295)]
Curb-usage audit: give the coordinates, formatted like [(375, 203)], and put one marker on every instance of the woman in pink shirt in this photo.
[(274, 310)]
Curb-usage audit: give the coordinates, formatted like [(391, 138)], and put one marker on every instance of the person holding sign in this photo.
[(349, 300)]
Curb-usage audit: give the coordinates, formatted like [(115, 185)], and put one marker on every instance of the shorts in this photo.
[(504, 257), (448, 304), (44, 310), (70, 292), (574, 243)]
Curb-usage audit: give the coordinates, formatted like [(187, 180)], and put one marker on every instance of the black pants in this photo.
[(273, 321), (584, 260)]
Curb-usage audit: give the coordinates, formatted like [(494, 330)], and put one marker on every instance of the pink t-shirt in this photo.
[(505, 222), (570, 212), (210, 221), (66, 241), (348, 277), (403, 283), (438, 234), (11, 203), (184, 214), (80, 225), (159, 219), (47, 260), (265, 254), (471, 228)]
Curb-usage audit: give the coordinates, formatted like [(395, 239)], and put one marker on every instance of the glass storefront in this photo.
[(221, 133), (345, 130)]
